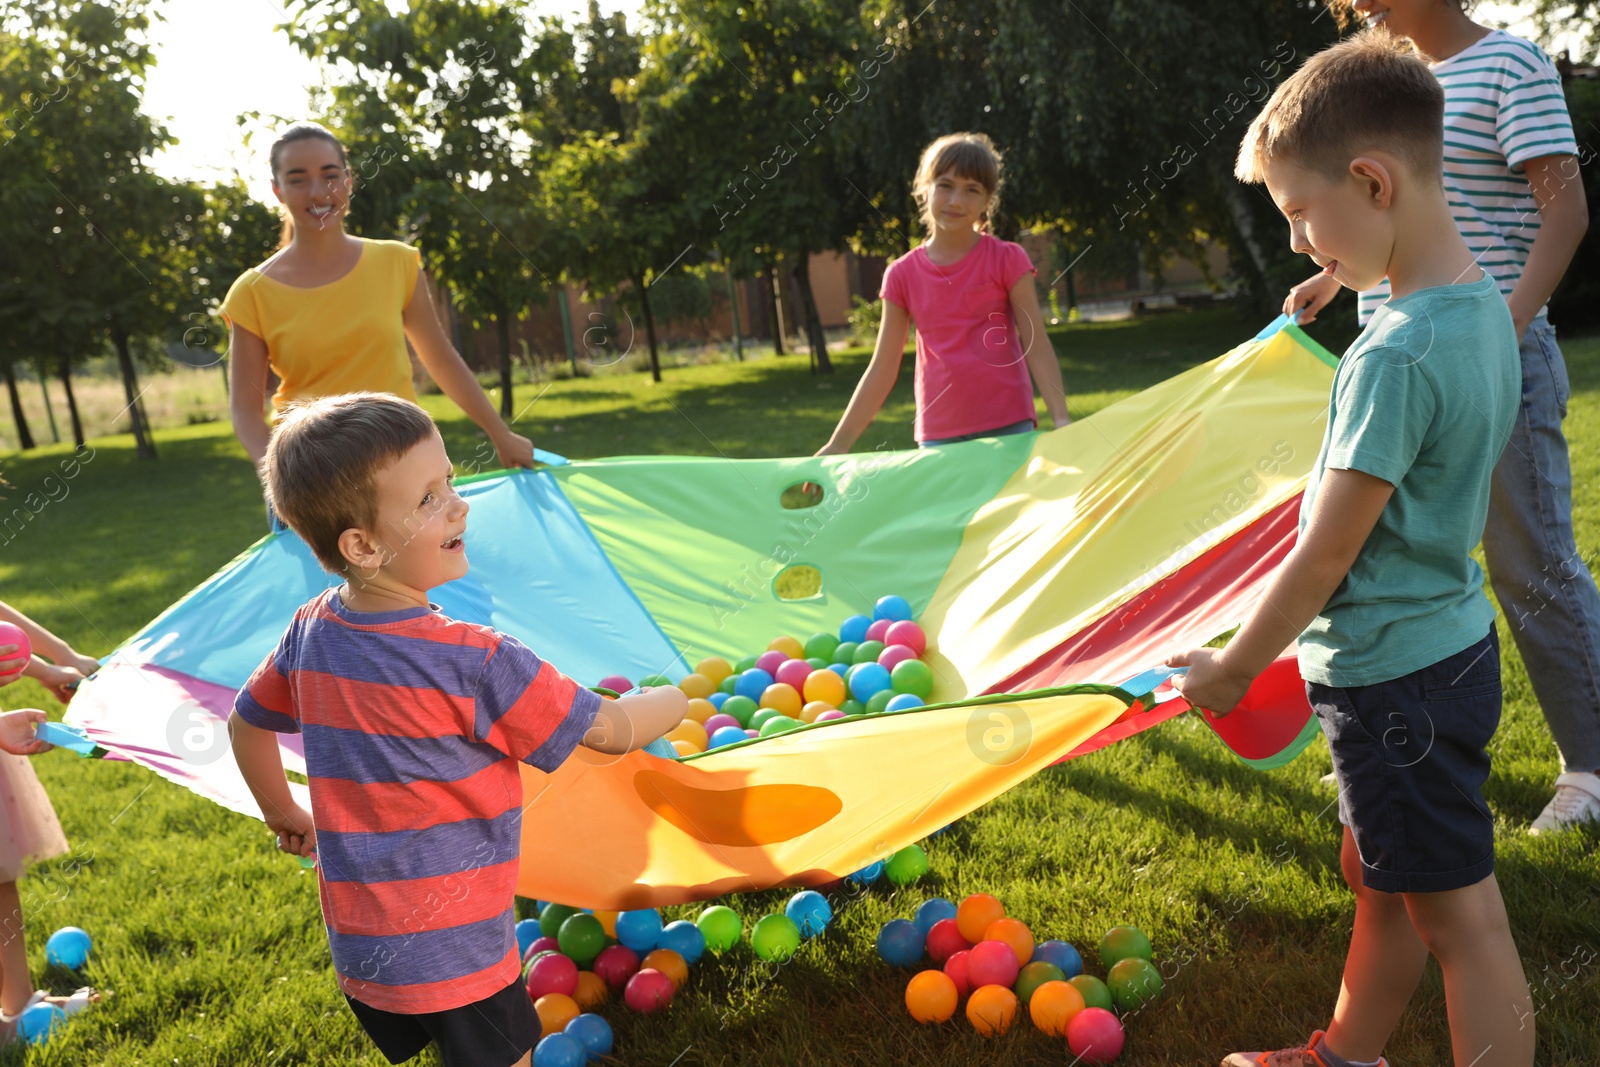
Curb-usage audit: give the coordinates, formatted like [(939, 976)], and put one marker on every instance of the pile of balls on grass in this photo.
[(992, 961), (871, 666)]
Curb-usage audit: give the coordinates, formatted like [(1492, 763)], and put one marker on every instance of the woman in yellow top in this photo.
[(331, 313)]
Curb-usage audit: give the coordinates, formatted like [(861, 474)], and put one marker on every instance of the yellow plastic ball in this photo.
[(810, 712), (715, 668), (700, 710), (690, 731), (782, 698), (555, 1010), (788, 646), (608, 922), (685, 748), (825, 686), (697, 686)]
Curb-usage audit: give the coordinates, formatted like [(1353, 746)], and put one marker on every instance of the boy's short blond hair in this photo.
[(1369, 91), (972, 156), (323, 459)]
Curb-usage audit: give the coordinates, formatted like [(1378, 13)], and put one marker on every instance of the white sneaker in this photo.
[(1577, 800)]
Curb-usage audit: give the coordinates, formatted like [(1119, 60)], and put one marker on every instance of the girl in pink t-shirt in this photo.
[(981, 345)]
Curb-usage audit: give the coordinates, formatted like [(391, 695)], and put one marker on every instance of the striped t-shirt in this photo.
[(413, 724), (1503, 106)]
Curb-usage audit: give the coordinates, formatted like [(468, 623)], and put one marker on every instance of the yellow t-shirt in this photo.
[(343, 337)]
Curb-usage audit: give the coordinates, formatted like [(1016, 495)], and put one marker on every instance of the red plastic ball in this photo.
[(541, 944), (794, 673), (876, 631), (945, 940), (1095, 1036), (554, 973), (907, 633), (993, 963), (648, 991), (616, 964), (956, 968)]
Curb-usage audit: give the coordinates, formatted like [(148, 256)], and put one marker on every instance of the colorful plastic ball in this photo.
[(593, 1033), (794, 674), (559, 1050), (853, 707), (718, 699), (854, 628), (725, 735), (752, 683), (779, 724), (692, 732), (790, 646), (775, 937), (906, 866), (581, 938), (556, 1010), (993, 963), (1034, 975), (842, 670), (12, 634), (648, 991), (684, 938), (956, 968), (1095, 1036), (1134, 982), (810, 712), (1095, 992), (878, 703), (721, 927), (527, 931), (1122, 942), (650, 681), (945, 940), (1053, 1005), (551, 918), (764, 716), (752, 734), (931, 997), (867, 679), (991, 1009), (932, 911), (782, 697), (900, 943), (697, 685), (975, 913), (879, 630), (715, 668), (818, 663), (684, 748), (826, 686), (552, 973), (38, 1024), (702, 708), (716, 722), (891, 607), (809, 911), (912, 676), (894, 655), (902, 702), (591, 991), (905, 632), (541, 944), (668, 963), (534, 956), (640, 929), (829, 715), (740, 709), (745, 664), (846, 652), (728, 685), (820, 646), (868, 874), (616, 683), (771, 660), (1062, 955), (608, 922), (616, 964), (1015, 933), (869, 651)]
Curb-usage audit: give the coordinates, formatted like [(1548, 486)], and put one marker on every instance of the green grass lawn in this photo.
[(213, 951)]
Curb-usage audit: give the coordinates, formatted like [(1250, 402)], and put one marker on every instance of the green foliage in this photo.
[(865, 318), (1576, 301)]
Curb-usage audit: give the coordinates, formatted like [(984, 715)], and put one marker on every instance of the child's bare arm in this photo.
[(1347, 508), (47, 644), (632, 722), (876, 384), (1038, 351), (256, 752)]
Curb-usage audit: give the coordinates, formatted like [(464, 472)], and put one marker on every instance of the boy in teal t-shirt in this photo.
[(1397, 639)]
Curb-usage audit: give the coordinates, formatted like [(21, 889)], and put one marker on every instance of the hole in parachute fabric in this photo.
[(801, 581), (801, 495)]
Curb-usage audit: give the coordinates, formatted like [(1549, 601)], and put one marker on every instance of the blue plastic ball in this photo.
[(684, 938), (752, 683), (841, 669), (892, 607), (527, 934), (718, 699), (39, 1023), (726, 735), (559, 1050), (900, 943), (867, 679), (593, 1033), (854, 628), (1062, 955), (931, 911), (639, 930), (904, 701), (868, 874), (68, 947), (810, 911)]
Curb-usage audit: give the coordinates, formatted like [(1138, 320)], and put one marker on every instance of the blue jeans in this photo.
[(1543, 585)]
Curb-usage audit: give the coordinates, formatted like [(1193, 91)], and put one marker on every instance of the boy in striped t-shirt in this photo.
[(413, 725), (1511, 177)]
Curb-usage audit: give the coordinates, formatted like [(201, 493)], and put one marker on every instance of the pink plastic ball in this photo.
[(1095, 1036), (616, 682), (11, 634), (716, 722), (907, 633), (648, 991), (752, 733), (794, 673), (876, 631), (616, 964), (945, 940), (541, 944), (893, 655), (831, 713), (771, 660), (993, 963), (552, 974), (956, 968)]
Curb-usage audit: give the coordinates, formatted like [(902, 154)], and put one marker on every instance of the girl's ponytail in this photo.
[(299, 132)]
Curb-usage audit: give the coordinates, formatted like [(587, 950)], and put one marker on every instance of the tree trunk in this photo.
[(503, 328), (733, 307), (777, 311), (1245, 225), (143, 446), (649, 328), (64, 365), (49, 408), (820, 364), (566, 327), (24, 436)]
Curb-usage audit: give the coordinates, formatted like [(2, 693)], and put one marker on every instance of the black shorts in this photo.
[(1410, 758), (497, 1031)]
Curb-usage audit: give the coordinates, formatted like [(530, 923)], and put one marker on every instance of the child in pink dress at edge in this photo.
[(981, 345)]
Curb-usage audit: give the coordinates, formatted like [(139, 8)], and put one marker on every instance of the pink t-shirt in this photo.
[(970, 371)]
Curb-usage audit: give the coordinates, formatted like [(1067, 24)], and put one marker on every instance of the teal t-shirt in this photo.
[(1424, 399)]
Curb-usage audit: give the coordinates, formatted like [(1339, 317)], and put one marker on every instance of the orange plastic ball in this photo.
[(700, 710), (690, 731), (782, 698), (555, 1010), (931, 997), (715, 668), (826, 686), (591, 990), (810, 712), (697, 686), (991, 1009), (788, 646), (1052, 1007), (668, 963), (685, 748), (608, 922), (974, 914), (1013, 932)]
